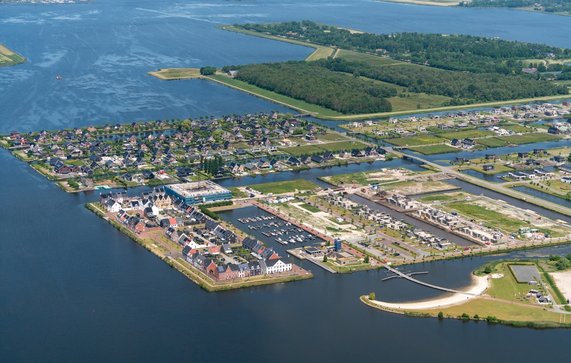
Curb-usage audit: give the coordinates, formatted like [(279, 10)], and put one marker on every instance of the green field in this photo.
[(463, 134), (418, 140), (498, 168), (530, 138), (490, 217), (288, 186), (371, 59), (438, 198), (434, 149), (492, 142), (360, 178), (321, 148)]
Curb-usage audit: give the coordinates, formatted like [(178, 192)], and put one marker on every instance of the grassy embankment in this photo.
[(155, 245), (9, 57)]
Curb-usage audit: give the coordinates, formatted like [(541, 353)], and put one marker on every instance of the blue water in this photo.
[(104, 49), (72, 288)]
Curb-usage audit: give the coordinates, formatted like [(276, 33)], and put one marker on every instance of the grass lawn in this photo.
[(288, 186), (518, 128), (498, 168), (321, 148), (530, 138), (370, 59), (490, 217), (310, 208), (438, 198), (503, 310), (434, 149), (331, 136), (463, 134), (424, 139), (409, 101), (507, 287), (492, 142)]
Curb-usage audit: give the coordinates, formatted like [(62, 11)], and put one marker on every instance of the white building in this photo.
[(275, 266)]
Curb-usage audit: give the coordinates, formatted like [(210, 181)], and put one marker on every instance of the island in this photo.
[(9, 57), (355, 75)]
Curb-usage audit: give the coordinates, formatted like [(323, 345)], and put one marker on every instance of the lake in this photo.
[(72, 288)]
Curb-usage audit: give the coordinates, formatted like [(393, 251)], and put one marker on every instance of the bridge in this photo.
[(426, 284)]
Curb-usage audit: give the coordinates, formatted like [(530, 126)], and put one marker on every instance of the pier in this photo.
[(426, 284)]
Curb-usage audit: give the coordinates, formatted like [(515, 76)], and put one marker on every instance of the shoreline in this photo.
[(475, 289), (189, 271)]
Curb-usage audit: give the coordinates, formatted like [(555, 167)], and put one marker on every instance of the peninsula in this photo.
[(525, 293), (356, 75)]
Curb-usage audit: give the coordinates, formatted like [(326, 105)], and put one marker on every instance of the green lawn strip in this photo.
[(463, 134), (434, 149), (492, 142), (438, 198), (529, 138), (287, 186), (498, 168), (418, 140), (322, 148)]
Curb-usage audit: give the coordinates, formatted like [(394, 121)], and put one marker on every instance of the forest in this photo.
[(463, 87), (313, 83), (451, 52)]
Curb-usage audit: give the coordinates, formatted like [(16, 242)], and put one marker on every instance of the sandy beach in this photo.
[(563, 282), (479, 285)]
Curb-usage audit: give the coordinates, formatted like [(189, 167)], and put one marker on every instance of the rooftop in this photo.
[(197, 189)]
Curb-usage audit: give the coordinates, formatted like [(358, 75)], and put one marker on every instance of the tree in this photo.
[(440, 315), (366, 260), (207, 71), (372, 296), (324, 258)]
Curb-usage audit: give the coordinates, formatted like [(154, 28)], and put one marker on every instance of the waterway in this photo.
[(72, 288)]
